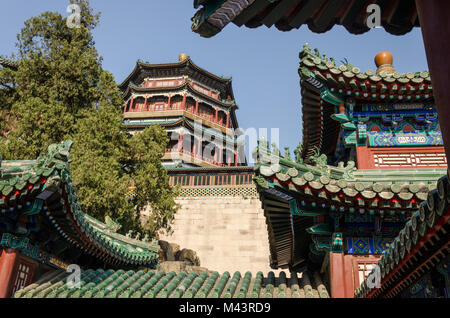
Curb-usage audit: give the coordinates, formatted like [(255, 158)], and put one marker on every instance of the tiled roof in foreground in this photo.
[(44, 188), (158, 284)]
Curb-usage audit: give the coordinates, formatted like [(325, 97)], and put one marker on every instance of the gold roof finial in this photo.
[(183, 57), (384, 61)]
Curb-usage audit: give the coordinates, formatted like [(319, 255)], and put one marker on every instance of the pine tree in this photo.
[(60, 91)]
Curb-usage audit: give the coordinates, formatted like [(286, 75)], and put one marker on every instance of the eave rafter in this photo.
[(421, 245)]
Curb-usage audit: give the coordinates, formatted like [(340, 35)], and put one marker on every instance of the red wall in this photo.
[(366, 157)]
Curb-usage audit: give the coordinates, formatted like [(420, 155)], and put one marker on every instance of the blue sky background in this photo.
[(263, 62)]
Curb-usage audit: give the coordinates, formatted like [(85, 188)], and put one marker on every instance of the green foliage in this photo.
[(60, 91), (7, 96)]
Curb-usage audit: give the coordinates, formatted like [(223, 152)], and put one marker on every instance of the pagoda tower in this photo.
[(371, 156), (196, 107)]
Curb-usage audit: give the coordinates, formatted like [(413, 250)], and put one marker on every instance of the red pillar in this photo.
[(433, 16), (169, 102), (131, 103), (217, 116), (337, 283), (144, 107), (236, 159), (228, 120), (349, 276), (183, 104), (196, 107), (8, 260)]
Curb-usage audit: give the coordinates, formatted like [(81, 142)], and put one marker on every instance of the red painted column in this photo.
[(8, 260), (196, 107), (217, 116), (349, 276), (236, 159), (131, 103), (169, 102), (228, 120), (337, 282), (433, 16), (183, 104), (363, 158)]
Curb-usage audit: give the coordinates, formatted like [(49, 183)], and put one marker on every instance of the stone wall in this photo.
[(229, 233)]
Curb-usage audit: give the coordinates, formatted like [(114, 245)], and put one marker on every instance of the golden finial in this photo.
[(384, 61), (183, 57)]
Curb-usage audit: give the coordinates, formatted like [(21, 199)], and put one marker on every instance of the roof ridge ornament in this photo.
[(57, 155)]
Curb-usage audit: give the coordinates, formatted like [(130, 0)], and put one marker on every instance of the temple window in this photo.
[(159, 107)]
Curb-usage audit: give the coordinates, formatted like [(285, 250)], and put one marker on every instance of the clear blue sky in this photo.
[(263, 62)]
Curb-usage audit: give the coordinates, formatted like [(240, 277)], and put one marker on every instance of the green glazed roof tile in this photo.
[(25, 180), (141, 284)]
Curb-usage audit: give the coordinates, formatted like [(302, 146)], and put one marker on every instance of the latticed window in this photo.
[(159, 107)]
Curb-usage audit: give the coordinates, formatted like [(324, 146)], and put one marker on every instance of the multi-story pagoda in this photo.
[(196, 108), (372, 151)]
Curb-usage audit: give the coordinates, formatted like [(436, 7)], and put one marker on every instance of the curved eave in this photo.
[(318, 74), (48, 180), (319, 129), (163, 124), (288, 239), (397, 18), (181, 65), (352, 82)]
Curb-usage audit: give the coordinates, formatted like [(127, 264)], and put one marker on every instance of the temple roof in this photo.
[(184, 67), (158, 284), (422, 244), (325, 86), (397, 17), (44, 188), (349, 80), (345, 185), (293, 192)]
